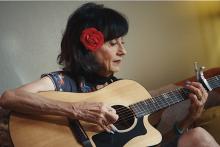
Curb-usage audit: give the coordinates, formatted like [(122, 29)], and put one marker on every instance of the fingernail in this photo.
[(187, 85), (111, 132), (114, 128), (188, 82)]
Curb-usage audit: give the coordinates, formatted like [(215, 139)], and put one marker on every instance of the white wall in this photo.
[(163, 41)]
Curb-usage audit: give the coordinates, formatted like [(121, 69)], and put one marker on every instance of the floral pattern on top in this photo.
[(62, 81)]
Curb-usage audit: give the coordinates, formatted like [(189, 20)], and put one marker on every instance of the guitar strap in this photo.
[(75, 125), (79, 133)]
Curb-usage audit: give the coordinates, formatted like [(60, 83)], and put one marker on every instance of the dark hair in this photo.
[(74, 57)]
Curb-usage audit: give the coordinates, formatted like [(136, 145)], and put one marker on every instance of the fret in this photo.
[(142, 106), (165, 99), (157, 105), (138, 108), (172, 98), (134, 109), (160, 102), (178, 95), (152, 104), (185, 92), (181, 96), (149, 110)]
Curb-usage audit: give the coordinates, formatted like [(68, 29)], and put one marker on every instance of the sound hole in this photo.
[(126, 117)]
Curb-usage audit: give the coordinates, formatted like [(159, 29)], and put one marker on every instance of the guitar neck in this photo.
[(167, 99), (154, 104)]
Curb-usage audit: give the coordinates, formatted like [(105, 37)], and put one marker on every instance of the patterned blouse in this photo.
[(63, 81)]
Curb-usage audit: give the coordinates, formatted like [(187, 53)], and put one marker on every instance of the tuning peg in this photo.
[(196, 66), (202, 68), (197, 71)]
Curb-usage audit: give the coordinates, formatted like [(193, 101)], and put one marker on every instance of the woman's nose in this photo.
[(121, 50)]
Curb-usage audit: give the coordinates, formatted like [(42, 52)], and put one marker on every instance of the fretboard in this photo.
[(167, 99), (214, 82), (154, 104)]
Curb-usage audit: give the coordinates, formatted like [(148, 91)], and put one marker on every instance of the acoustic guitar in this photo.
[(131, 101)]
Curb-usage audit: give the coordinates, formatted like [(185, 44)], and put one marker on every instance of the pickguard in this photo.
[(105, 139)]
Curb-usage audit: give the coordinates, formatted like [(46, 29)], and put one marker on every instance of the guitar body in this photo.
[(54, 131)]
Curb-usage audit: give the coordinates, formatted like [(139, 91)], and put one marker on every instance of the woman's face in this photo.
[(110, 56)]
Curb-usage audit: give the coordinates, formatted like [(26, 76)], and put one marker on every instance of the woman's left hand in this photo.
[(198, 97)]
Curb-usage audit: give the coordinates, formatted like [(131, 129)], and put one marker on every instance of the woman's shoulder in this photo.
[(62, 80)]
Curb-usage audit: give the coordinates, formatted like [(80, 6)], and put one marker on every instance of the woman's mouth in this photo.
[(117, 61)]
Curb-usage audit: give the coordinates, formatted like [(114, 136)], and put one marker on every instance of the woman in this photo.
[(92, 50)]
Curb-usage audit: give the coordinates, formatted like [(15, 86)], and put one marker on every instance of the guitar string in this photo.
[(157, 98), (143, 113), (214, 79), (215, 82), (215, 85), (147, 105), (170, 94), (210, 80), (124, 110), (129, 117), (167, 93)]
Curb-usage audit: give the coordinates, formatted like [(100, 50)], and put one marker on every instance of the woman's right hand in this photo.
[(96, 112)]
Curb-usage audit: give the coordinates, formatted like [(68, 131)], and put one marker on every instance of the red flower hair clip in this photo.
[(92, 39)]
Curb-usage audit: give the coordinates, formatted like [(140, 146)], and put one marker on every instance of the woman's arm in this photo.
[(24, 99)]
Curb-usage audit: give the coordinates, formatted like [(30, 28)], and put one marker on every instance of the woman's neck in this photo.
[(105, 74), (98, 79)]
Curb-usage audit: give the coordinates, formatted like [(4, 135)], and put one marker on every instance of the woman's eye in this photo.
[(113, 43)]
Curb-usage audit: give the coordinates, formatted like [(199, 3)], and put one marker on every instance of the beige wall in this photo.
[(163, 41)]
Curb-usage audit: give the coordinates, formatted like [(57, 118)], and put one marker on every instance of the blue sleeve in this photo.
[(62, 81)]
